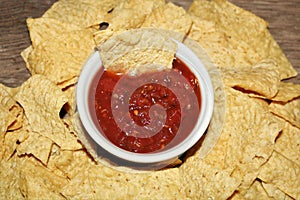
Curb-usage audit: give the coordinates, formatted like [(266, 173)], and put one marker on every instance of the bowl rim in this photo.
[(92, 66)]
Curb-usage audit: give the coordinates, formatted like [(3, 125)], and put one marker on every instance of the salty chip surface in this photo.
[(137, 51)]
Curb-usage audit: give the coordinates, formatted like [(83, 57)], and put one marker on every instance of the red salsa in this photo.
[(149, 112)]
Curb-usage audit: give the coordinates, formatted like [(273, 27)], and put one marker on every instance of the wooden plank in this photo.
[(283, 16)]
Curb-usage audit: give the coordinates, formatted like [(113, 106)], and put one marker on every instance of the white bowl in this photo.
[(93, 65)]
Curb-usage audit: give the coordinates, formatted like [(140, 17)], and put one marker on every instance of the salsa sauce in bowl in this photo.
[(147, 113), (151, 118)]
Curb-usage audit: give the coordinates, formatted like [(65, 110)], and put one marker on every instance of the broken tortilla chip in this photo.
[(287, 92), (137, 51), (42, 107), (288, 142), (256, 191), (275, 193), (9, 104), (289, 111), (247, 45), (248, 137), (282, 173), (40, 150), (78, 13), (262, 78), (10, 180), (36, 181), (219, 184), (41, 29), (61, 58), (169, 17), (120, 18), (165, 183)]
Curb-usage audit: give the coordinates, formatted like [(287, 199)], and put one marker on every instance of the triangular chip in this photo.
[(288, 142), (137, 51), (9, 178), (6, 119), (289, 111), (248, 137), (77, 13), (275, 193), (61, 58), (262, 78), (170, 17), (287, 91), (37, 181), (105, 5), (13, 139), (121, 17), (9, 104), (282, 173), (107, 184), (70, 163), (256, 191), (42, 108), (244, 46), (36, 145), (204, 181), (41, 29)]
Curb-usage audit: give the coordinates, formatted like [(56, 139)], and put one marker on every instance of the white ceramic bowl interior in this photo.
[(91, 68)]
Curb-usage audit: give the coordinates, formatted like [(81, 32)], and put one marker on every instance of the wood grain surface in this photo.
[(283, 18)]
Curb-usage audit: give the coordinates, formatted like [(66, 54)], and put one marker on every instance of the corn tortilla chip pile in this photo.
[(256, 156)]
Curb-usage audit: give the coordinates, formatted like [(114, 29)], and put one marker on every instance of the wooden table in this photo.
[(283, 16)]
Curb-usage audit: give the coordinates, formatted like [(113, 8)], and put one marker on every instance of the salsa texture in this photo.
[(149, 112)]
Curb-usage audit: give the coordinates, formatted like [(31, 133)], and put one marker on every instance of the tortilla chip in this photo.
[(256, 191), (6, 118), (41, 29), (210, 182), (223, 52), (288, 142), (76, 127), (70, 163), (9, 176), (289, 111), (247, 139), (169, 17), (25, 55), (61, 58), (244, 46), (229, 17), (137, 51), (107, 184), (8, 103), (287, 92), (106, 5), (275, 193), (70, 107), (282, 173), (13, 139), (101, 36), (42, 107), (37, 181), (121, 16), (77, 13), (211, 136), (36, 145), (262, 78)]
